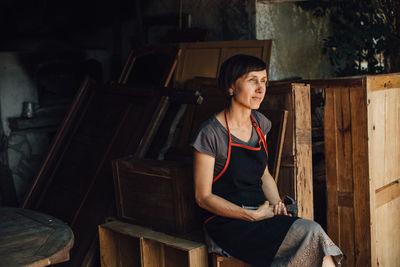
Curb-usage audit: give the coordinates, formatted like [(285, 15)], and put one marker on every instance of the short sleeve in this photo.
[(263, 122), (205, 141)]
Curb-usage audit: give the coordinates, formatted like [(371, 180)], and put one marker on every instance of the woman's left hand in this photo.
[(280, 209)]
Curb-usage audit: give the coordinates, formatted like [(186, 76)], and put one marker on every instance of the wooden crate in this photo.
[(362, 146), (155, 193), (295, 175), (123, 244)]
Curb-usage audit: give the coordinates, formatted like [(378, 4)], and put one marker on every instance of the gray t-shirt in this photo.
[(212, 139)]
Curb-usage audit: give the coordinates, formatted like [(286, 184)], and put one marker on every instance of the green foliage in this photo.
[(365, 34)]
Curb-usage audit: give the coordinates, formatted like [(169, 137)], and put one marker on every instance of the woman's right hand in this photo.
[(264, 211)]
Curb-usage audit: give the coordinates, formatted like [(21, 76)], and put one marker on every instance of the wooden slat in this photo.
[(359, 132), (330, 163), (347, 235), (295, 175), (383, 82), (387, 193), (392, 133), (388, 234), (344, 140), (304, 180)]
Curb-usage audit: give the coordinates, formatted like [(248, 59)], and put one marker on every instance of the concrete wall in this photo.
[(16, 86), (225, 19), (297, 40)]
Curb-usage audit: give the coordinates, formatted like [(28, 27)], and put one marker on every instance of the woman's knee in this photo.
[(310, 226)]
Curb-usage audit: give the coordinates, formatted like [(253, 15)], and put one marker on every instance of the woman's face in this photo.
[(249, 89)]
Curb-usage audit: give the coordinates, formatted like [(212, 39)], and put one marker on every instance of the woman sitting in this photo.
[(243, 212)]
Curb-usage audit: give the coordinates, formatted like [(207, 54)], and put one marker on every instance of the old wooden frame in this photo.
[(203, 59), (143, 60), (74, 182)]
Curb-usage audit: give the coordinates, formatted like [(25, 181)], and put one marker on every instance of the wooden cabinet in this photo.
[(295, 175), (362, 146), (123, 244)]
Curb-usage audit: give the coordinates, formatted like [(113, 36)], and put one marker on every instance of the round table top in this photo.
[(30, 238)]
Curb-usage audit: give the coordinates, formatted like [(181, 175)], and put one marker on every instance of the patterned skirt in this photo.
[(306, 244)]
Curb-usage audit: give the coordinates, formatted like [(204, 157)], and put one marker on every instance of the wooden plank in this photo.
[(330, 130), (275, 139), (387, 193), (359, 131), (196, 257), (392, 134), (344, 140), (347, 235), (304, 180), (152, 253), (144, 232), (388, 234), (118, 250), (280, 140), (382, 82), (295, 176), (376, 133)]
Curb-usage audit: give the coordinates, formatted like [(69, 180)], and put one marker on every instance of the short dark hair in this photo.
[(235, 67)]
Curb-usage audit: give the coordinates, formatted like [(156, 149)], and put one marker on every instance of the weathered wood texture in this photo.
[(220, 261), (74, 182), (29, 238), (203, 59), (156, 194), (362, 146), (295, 175), (123, 244)]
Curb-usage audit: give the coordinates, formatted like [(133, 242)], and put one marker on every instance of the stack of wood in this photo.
[(163, 95)]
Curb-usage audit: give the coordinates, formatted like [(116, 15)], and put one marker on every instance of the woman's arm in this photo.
[(203, 177), (271, 193)]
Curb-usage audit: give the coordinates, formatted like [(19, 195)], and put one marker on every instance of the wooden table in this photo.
[(30, 238)]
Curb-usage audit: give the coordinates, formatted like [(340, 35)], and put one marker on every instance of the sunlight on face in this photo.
[(249, 89)]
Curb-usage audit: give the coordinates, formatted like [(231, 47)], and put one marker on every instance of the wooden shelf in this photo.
[(123, 244)]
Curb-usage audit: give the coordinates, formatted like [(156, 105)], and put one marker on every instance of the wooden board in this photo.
[(30, 238), (203, 59), (362, 147), (123, 244), (74, 182), (295, 175)]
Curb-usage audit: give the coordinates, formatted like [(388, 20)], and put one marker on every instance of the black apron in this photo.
[(240, 183)]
